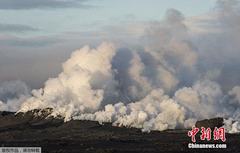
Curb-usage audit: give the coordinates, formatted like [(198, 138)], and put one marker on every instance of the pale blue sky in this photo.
[(36, 36), (102, 12)]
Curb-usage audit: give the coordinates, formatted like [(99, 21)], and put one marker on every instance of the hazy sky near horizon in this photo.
[(44, 18), (36, 36)]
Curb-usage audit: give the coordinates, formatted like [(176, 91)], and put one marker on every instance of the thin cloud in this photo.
[(16, 28), (40, 4), (39, 41)]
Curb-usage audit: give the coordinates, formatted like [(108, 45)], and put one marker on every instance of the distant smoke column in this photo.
[(12, 94)]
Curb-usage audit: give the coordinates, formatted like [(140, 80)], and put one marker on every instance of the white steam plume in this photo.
[(93, 87), (86, 78)]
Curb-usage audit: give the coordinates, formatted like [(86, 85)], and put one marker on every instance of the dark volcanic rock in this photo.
[(210, 123), (36, 128), (33, 118), (5, 113)]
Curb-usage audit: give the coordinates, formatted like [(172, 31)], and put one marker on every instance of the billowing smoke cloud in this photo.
[(157, 111), (86, 80), (12, 94), (163, 85), (218, 47)]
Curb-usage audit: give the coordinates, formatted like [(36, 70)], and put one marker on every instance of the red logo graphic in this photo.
[(193, 133), (219, 133), (206, 134)]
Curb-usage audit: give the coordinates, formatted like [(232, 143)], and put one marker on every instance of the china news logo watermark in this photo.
[(207, 134)]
